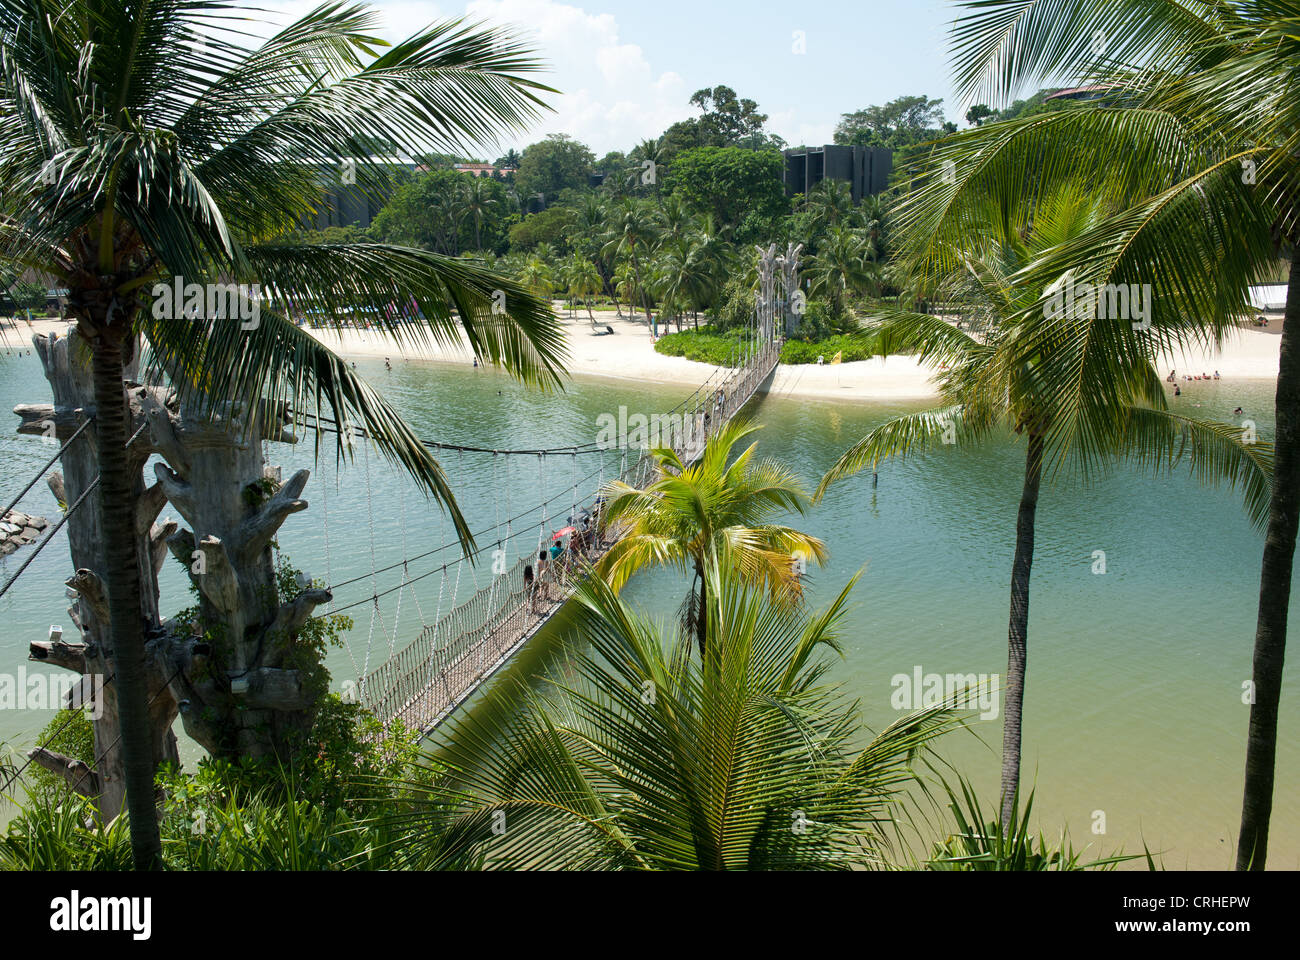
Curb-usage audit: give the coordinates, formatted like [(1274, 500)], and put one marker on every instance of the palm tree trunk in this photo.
[(1274, 592), (123, 583), (1018, 628), (702, 619), (636, 273)]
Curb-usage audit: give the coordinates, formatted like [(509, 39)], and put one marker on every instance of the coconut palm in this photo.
[(874, 214), (582, 280), (711, 262), (690, 515), (537, 277), (828, 204), (624, 285), (145, 142), (842, 267), (655, 153), (652, 761), (587, 225), (476, 202), (671, 278), (632, 233), (992, 382), (1201, 130)]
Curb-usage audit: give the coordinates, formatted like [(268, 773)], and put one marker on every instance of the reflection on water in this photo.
[(1133, 702)]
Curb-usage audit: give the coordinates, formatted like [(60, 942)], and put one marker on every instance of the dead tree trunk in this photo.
[(239, 676), (66, 361), (246, 686)]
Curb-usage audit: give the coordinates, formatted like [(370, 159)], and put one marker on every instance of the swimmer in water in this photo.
[(1238, 412)]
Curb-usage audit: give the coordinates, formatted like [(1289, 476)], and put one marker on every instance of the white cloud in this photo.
[(796, 129), (612, 97)]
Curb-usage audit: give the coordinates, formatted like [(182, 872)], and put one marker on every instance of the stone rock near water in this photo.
[(17, 529)]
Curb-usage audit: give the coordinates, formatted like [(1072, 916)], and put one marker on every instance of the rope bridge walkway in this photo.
[(452, 657), (424, 682)]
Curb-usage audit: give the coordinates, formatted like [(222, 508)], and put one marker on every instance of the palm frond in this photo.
[(908, 434)]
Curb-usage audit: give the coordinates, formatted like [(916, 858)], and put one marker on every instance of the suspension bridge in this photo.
[(456, 651), (423, 683)]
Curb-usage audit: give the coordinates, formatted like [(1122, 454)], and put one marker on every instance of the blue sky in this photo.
[(628, 67)]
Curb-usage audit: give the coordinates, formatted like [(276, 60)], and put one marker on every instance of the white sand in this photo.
[(629, 355)]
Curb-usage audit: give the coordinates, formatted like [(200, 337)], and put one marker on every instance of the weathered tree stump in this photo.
[(242, 690)]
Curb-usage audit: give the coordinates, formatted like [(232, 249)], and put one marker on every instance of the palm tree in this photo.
[(655, 153), (624, 285), (1201, 129), (538, 278), (670, 277), (691, 515), (582, 280), (841, 267), (449, 214), (127, 170), (828, 204), (874, 214), (477, 202), (632, 232), (994, 381), (651, 761)]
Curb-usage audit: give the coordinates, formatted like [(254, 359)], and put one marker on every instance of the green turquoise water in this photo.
[(1134, 694)]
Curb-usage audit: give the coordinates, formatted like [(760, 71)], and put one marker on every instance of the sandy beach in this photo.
[(629, 354)]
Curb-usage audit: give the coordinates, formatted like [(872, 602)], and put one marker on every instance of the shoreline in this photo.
[(629, 355)]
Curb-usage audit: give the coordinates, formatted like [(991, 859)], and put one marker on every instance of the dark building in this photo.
[(346, 202), (865, 169)]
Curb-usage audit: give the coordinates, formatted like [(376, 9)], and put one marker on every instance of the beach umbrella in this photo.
[(563, 532)]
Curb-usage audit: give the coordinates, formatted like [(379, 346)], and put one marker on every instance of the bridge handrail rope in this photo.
[(67, 514), (45, 469)]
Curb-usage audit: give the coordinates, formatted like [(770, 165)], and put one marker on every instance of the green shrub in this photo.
[(70, 733), (980, 842), (801, 351), (705, 345), (328, 807), (64, 836)]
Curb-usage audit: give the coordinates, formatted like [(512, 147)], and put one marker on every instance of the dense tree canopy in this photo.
[(671, 228), (547, 227), (557, 163), (899, 123), (727, 121), (734, 185), (445, 211)]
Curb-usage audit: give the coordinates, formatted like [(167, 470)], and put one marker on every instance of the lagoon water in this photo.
[(1134, 719)]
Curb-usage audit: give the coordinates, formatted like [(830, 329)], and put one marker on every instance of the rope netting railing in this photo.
[(421, 684)]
